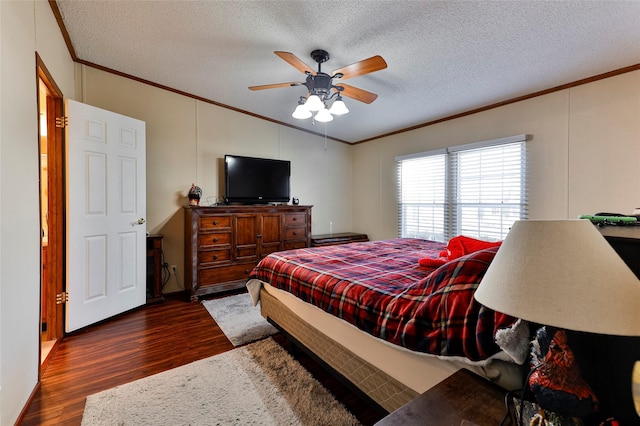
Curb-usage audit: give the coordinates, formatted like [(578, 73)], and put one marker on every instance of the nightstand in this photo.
[(462, 397), (154, 268)]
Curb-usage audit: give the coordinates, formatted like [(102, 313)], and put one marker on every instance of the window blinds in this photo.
[(422, 189), (477, 190)]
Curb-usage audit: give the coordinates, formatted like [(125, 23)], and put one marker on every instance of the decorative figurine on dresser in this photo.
[(195, 193)]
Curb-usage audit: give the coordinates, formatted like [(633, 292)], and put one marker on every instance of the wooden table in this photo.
[(463, 398), (337, 238)]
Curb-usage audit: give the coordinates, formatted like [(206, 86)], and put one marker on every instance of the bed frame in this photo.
[(378, 387)]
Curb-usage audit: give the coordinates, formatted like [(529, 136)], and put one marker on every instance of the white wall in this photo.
[(604, 146), (584, 156), (25, 27), (186, 141)]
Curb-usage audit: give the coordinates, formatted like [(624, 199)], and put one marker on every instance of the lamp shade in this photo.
[(562, 273), (301, 112), (314, 103), (338, 108)]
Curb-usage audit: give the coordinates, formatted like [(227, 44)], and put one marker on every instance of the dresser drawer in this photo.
[(215, 222), (214, 275), (295, 245), (214, 256), (213, 239), (295, 234), (295, 219)]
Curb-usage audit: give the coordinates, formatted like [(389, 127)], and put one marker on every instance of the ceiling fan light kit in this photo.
[(321, 89)]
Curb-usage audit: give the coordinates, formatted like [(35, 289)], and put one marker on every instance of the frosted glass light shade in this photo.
[(324, 116), (563, 273), (301, 112), (338, 108), (314, 103)]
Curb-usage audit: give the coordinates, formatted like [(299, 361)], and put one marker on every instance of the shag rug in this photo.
[(257, 384), (239, 320)]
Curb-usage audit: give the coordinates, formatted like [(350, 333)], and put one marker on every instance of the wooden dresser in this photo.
[(224, 243)]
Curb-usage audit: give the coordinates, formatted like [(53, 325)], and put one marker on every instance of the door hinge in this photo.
[(62, 298), (62, 122)]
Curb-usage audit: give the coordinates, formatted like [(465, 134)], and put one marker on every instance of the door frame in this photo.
[(56, 202)]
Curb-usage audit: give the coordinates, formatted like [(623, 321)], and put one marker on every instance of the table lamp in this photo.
[(562, 275)]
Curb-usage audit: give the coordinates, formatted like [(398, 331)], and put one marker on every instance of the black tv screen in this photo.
[(256, 180)]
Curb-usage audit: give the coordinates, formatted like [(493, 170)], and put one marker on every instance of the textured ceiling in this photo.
[(444, 57)]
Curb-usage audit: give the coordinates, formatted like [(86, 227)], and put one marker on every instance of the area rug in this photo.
[(239, 320), (257, 384)]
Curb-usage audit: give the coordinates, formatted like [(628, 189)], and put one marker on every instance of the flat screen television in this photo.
[(251, 180)]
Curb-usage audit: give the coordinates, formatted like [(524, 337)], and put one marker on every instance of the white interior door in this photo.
[(106, 207)]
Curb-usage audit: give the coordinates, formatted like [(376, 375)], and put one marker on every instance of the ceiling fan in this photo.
[(321, 85)]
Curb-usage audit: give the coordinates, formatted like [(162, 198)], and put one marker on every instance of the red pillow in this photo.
[(457, 247), (430, 262), (461, 245)]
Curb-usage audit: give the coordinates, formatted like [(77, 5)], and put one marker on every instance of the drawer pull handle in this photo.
[(295, 218), (215, 222), (295, 233), (215, 257), (246, 271), (259, 236), (215, 240)]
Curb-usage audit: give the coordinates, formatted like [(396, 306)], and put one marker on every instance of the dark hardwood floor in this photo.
[(146, 341)]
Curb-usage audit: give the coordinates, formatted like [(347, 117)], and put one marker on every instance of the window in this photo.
[(477, 190)]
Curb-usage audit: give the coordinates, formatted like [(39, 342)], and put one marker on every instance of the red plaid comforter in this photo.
[(380, 288)]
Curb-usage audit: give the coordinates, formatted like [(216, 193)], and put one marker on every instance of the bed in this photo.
[(389, 325)]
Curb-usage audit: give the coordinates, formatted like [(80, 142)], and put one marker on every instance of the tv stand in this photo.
[(224, 243)]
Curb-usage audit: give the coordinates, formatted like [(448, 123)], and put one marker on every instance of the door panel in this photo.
[(271, 234), (247, 231), (96, 267), (271, 228), (106, 206)]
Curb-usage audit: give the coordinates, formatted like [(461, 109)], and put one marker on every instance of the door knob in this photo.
[(140, 221)]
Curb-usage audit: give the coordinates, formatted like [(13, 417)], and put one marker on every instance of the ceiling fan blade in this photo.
[(275, 86), (366, 66), (294, 61), (357, 94)]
